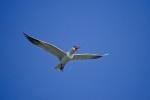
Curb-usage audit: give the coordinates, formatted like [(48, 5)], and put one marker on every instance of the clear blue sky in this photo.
[(118, 27)]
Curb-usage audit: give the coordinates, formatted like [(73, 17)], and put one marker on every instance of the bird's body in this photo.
[(64, 57)]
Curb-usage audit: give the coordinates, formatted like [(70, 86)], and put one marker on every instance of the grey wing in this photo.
[(86, 56), (46, 46)]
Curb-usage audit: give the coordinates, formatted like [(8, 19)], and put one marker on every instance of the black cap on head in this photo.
[(76, 47)]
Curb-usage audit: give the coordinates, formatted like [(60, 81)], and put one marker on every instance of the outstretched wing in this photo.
[(86, 56), (46, 46)]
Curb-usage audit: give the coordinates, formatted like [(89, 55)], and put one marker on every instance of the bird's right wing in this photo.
[(46, 46), (86, 56)]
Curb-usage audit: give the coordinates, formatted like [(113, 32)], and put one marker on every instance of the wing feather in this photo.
[(86, 56), (46, 46)]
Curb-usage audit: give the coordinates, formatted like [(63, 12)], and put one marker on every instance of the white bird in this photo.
[(64, 57)]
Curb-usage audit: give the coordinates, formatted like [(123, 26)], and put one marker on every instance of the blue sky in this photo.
[(118, 27)]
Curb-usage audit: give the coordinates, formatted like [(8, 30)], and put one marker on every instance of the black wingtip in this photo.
[(31, 39), (98, 56), (25, 35)]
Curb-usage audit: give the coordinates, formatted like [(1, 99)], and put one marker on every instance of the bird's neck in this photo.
[(71, 52)]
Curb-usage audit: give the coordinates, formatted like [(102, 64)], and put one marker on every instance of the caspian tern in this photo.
[(64, 57)]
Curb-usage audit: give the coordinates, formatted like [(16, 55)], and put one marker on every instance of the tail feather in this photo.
[(59, 66)]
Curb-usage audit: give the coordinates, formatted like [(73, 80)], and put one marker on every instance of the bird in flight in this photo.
[(64, 57)]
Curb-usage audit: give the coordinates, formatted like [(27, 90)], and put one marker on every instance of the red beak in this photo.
[(76, 48)]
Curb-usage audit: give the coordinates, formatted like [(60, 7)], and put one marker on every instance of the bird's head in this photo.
[(76, 48)]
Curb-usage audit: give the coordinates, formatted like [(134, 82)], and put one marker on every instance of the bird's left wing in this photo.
[(86, 56), (46, 46)]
